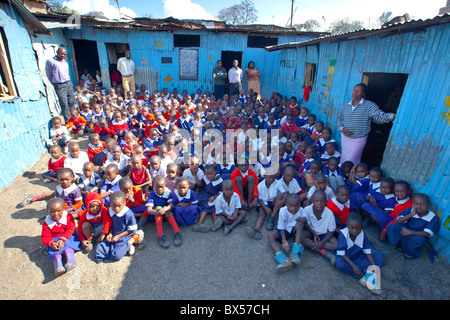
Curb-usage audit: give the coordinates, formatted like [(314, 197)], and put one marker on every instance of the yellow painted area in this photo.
[(159, 44)]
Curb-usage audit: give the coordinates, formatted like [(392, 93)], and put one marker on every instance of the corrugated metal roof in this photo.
[(384, 31), (27, 16)]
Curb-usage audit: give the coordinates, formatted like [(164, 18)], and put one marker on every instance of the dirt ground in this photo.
[(208, 266)]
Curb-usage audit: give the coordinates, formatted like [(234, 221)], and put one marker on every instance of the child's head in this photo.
[(94, 139), (56, 122), (354, 223), (293, 101), (155, 162), (117, 116), (88, 169), (346, 167), (109, 143), (304, 112), (228, 188), (94, 203), (111, 171), (375, 174), (55, 152), (320, 181), (162, 151), (421, 204), (74, 113), (55, 208), (288, 174), (182, 186), (117, 201), (102, 122), (74, 149), (269, 178), (362, 170), (138, 150), (243, 167), (194, 163), (402, 190), (171, 171), (326, 133), (290, 118), (315, 167), (319, 126), (311, 119), (319, 200), (330, 147), (153, 134), (342, 193), (129, 138), (210, 171), (126, 185), (116, 152), (310, 151), (387, 185), (302, 146), (66, 177), (333, 163), (293, 203), (159, 184), (136, 162), (294, 136)]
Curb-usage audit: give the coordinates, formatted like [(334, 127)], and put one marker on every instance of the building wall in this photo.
[(24, 120), (418, 147), (147, 48)]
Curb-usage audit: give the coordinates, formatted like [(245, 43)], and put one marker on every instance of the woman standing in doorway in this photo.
[(253, 78), (354, 122)]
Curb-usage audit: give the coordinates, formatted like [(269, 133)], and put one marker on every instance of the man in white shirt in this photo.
[(126, 67), (235, 79)]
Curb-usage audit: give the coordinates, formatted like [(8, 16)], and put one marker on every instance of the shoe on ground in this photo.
[(200, 227), (217, 224), (88, 248), (132, 250), (227, 229), (253, 233), (26, 201), (178, 239), (163, 242), (270, 223)]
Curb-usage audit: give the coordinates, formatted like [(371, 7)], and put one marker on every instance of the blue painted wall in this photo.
[(418, 150), (24, 120)]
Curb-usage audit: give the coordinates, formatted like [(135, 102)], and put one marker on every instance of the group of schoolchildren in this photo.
[(138, 168)]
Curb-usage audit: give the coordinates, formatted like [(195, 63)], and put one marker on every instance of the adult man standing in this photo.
[(235, 79), (57, 71), (126, 67), (219, 75), (354, 121)]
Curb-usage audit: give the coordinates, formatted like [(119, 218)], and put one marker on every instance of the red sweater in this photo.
[(64, 229), (74, 122), (397, 209), (237, 173), (102, 217), (117, 126), (55, 166), (93, 150), (100, 130)]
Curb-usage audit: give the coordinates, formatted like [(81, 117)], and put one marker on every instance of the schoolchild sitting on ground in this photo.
[(300, 157), (292, 219), (164, 157), (139, 151), (59, 236), (210, 190), (139, 175), (135, 200), (95, 148), (340, 206), (55, 163), (317, 133), (308, 129), (67, 190), (171, 176), (152, 143), (320, 183), (363, 182), (89, 181), (76, 159), (135, 118), (94, 222), (123, 233), (101, 128), (333, 173), (402, 192), (354, 255), (194, 175), (294, 138), (330, 152), (76, 123), (86, 113), (268, 191), (185, 203), (59, 135), (228, 208), (414, 227), (246, 185), (159, 206), (111, 183), (307, 180), (119, 159), (119, 126), (129, 143), (155, 167), (319, 236), (380, 204)]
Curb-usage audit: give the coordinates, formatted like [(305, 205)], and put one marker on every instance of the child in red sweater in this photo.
[(55, 163), (246, 185), (76, 123), (59, 236), (95, 147), (119, 125), (101, 128)]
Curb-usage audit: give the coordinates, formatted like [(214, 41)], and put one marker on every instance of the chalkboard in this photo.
[(188, 64)]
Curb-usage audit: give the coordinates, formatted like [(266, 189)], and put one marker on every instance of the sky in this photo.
[(269, 11)]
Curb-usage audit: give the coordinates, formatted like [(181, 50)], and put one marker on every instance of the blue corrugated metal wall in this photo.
[(418, 147), (25, 119), (147, 49)]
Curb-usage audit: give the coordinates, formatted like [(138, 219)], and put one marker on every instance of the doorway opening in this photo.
[(227, 62), (86, 57), (384, 89), (115, 51)]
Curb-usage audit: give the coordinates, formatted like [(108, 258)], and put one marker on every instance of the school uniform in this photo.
[(385, 202), (340, 211), (326, 156), (171, 184), (138, 177), (190, 176), (187, 124), (360, 190), (121, 222), (321, 226), (310, 130), (54, 165), (155, 200), (328, 192), (225, 208), (321, 144), (164, 129), (154, 173), (356, 250), (209, 189), (268, 193), (287, 221), (93, 151), (300, 121), (400, 205), (185, 216), (76, 164), (121, 163), (71, 196), (260, 123), (86, 184), (412, 245), (101, 222), (292, 187), (138, 206), (112, 186), (335, 178), (244, 175), (78, 122)]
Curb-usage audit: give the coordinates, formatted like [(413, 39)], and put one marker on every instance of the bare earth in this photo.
[(208, 266)]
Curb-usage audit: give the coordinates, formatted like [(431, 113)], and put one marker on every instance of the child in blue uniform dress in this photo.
[(111, 183), (363, 182), (212, 187), (414, 227), (353, 254), (185, 202), (123, 233), (380, 203)]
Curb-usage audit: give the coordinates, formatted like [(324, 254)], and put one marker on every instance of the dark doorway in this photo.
[(227, 62), (115, 51), (86, 57), (385, 89)]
